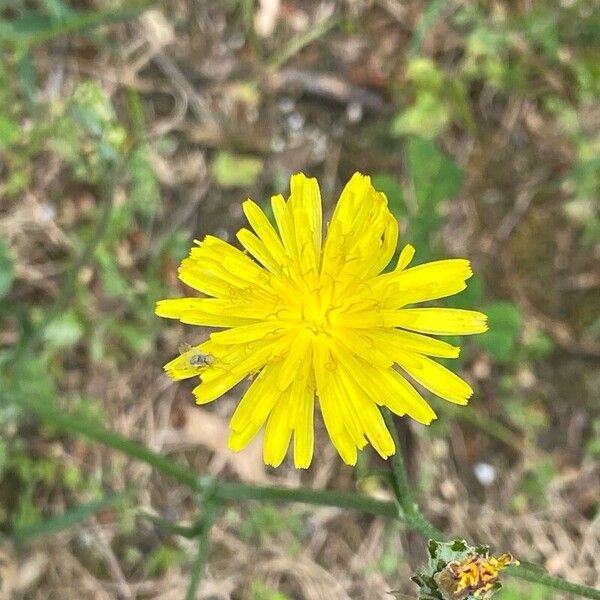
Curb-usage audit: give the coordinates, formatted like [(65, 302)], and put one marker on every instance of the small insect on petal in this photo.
[(201, 360), (195, 358)]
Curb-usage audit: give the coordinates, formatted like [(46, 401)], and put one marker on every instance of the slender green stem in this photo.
[(399, 475), (207, 520), (402, 487), (223, 490), (69, 518), (550, 581), (236, 491)]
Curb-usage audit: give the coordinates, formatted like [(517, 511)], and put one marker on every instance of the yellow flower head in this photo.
[(310, 317)]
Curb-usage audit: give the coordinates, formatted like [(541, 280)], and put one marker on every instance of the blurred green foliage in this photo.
[(6, 268), (267, 521), (163, 558), (231, 170), (505, 322), (260, 591), (433, 178), (545, 54)]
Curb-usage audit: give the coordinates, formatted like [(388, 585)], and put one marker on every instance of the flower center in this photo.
[(315, 315)]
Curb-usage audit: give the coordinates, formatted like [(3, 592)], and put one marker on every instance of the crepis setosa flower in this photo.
[(308, 318)]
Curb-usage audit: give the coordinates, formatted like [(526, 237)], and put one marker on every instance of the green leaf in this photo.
[(259, 591), (3, 456), (6, 268), (390, 186), (9, 131), (59, 11), (68, 519), (504, 321), (64, 332), (145, 191), (28, 78), (435, 176), (428, 117), (137, 337), (232, 170)]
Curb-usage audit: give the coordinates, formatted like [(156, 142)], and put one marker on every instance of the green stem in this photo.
[(206, 523), (557, 583), (402, 487), (69, 518), (222, 490)]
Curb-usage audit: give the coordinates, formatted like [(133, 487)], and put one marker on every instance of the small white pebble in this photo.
[(277, 144), (286, 105), (46, 213), (354, 112), (485, 473), (295, 121)]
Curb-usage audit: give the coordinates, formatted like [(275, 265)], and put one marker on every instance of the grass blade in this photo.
[(72, 517)]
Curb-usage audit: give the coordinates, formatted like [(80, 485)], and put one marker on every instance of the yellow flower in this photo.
[(309, 317)]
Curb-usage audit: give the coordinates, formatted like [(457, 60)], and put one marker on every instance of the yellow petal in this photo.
[(238, 440), (303, 398), (210, 312), (264, 230), (405, 257), (370, 418), (365, 346), (351, 207), (208, 391), (329, 403), (278, 432), (258, 401), (187, 364), (297, 354), (436, 378), (304, 192), (390, 340), (266, 331), (230, 368), (217, 268), (392, 390), (429, 281), (306, 214), (285, 225), (258, 249), (335, 399), (437, 321)]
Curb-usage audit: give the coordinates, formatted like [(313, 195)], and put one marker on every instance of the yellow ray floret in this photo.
[(309, 319)]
